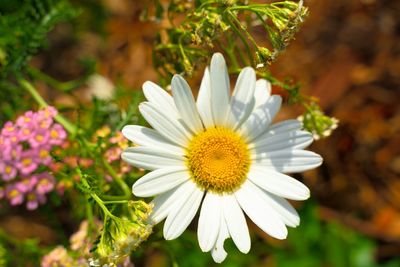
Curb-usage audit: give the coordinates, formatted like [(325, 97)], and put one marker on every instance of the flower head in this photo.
[(222, 153), (25, 148), (15, 196), (8, 170), (57, 134)]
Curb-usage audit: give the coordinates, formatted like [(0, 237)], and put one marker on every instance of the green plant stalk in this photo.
[(89, 215), (103, 207), (242, 38), (118, 198), (61, 86), (248, 35), (70, 127), (115, 201), (116, 177)]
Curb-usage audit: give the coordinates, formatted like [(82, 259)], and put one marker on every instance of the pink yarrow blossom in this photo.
[(57, 134), (7, 170), (27, 164), (39, 138), (43, 155), (46, 183), (34, 199), (14, 196), (27, 184), (25, 146), (27, 119), (8, 129), (12, 152)]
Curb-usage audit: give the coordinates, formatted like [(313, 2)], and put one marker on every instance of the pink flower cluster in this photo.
[(25, 147), (113, 154)]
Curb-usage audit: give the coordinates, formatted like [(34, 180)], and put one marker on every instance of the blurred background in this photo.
[(347, 54)]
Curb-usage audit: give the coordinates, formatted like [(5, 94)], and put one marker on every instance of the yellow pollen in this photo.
[(13, 193), (218, 160), (44, 182), (54, 134), (10, 128), (8, 169), (39, 137), (43, 153), (26, 161)]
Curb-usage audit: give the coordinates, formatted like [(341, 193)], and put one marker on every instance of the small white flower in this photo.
[(100, 87), (223, 152)]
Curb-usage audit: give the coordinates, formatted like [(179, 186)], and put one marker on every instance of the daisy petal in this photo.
[(288, 214), (284, 126), (218, 252), (160, 181), (288, 161), (185, 103), (151, 158), (242, 97), (278, 184), (159, 97), (183, 212), (262, 92), (259, 211), (288, 140), (164, 203), (171, 129), (220, 91), (260, 118), (144, 136), (209, 221), (236, 223), (204, 100)]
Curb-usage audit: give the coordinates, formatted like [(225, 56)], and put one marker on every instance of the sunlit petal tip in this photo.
[(220, 89), (186, 104)]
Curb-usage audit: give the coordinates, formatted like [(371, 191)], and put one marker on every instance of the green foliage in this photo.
[(3, 256), (315, 121), (316, 243), (228, 26), (221, 24), (24, 25), (28, 251)]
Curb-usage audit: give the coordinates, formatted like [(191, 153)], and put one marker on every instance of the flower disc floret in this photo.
[(218, 160)]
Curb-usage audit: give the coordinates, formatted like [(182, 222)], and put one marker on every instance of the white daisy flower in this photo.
[(220, 152)]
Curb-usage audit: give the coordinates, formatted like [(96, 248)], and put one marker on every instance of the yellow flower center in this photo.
[(43, 153), (218, 160), (8, 169), (54, 134), (26, 132), (26, 161), (39, 137), (13, 193)]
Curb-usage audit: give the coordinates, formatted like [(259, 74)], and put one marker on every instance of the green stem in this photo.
[(103, 206), (249, 37), (116, 177), (237, 31), (116, 202), (61, 86), (71, 128), (117, 198), (133, 107), (89, 215), (229, 49)]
